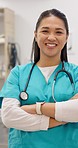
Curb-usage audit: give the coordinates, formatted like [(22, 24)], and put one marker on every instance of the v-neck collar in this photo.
[(52, 75)]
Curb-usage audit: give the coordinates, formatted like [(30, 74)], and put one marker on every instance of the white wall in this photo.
[(26, 15)]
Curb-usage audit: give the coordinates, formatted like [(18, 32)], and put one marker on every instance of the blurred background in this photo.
[(17, 24)]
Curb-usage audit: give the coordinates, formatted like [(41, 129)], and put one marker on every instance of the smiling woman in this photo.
[(48, 106)]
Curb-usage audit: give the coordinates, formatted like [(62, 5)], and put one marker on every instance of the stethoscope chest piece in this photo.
[(23, 95)]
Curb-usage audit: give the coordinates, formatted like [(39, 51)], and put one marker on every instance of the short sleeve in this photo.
[(11, 86)]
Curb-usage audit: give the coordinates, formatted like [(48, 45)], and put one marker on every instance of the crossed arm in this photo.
[(25, 117), (48, 109)]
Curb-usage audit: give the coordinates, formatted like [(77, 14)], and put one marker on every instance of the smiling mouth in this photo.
[(51, 45)]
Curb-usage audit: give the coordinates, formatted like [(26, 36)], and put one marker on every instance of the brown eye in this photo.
[(59, 32), (45, 31)]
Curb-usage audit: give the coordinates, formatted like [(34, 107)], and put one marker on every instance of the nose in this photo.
[(51, 37)]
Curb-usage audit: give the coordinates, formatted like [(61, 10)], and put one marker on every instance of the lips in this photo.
[(51, 45)]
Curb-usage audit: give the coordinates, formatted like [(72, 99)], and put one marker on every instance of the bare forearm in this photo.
[(48, 109)]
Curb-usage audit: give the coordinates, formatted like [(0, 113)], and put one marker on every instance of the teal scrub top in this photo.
[(63, 136)]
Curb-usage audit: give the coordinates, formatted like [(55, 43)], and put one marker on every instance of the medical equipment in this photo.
[(24, 94), (13, 55), (69, 76)]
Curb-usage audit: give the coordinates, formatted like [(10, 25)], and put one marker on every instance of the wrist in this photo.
[(38, 107)]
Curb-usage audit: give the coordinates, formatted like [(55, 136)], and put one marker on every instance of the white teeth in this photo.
[(51, 45)]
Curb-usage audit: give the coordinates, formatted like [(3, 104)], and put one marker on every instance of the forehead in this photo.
[(52, 22)]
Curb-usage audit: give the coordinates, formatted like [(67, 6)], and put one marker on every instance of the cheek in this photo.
[(63, 41), (40, 40), (62, 44)]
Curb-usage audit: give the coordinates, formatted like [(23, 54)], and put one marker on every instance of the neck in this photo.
[(48, 62)]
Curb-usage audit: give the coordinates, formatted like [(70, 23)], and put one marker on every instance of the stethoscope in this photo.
[(24, 94)]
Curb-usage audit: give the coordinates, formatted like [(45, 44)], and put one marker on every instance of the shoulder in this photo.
[(21, 68), (71, 66)]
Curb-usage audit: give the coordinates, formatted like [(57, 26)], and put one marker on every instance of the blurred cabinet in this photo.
[(7, 34)]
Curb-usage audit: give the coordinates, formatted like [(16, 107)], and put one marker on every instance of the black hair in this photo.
[(35, 47)]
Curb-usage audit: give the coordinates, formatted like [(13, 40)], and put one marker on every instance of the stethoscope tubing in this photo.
[(70, 78), (29, 77)]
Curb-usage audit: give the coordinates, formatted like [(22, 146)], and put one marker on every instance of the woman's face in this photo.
[(51, 37)]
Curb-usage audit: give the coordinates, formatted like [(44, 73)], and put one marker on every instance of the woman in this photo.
[(47, 115)]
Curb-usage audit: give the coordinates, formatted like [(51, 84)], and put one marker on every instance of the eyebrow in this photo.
[(56, 28), (45, 28), (60, 29)]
